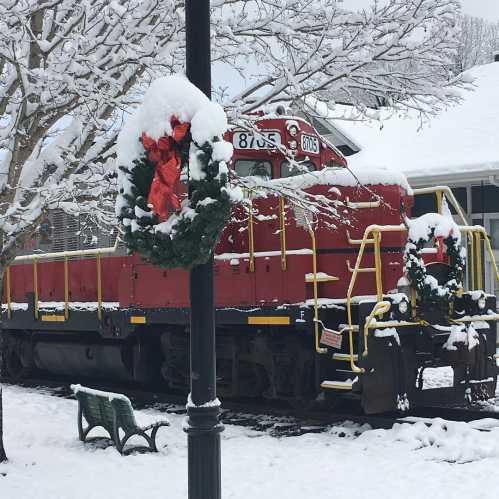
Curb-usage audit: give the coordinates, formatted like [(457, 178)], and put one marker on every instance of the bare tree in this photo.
[(479, 40), (70, 69)]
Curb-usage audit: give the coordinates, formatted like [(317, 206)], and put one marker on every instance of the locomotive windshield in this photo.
[(253, 167), (290, 170)]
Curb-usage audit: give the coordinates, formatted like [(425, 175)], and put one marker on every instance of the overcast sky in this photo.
[(489, 9)]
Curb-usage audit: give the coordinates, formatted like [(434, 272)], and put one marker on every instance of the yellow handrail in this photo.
[(443, 189), (363, 270), (379, 309), (66, 288), (478, 248), (476, 231), (66, 256), (356, 242), (35, 286), (439, 201), (490, 252), (99, 287), (377, 259), (374, 232), (8, 291), (282, 233), (318, 348), (251, 241), (471, 248)]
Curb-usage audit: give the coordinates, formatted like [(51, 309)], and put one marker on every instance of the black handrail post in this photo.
[(203, 428)]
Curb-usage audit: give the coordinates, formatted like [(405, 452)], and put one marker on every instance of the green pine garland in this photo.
[(192, 238), (417, 274)]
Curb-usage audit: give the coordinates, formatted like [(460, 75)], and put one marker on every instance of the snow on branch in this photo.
[(397, 53), (71, 70)]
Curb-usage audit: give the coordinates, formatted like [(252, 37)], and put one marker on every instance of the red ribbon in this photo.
[(440, 249), (165, 156), (440, 245)]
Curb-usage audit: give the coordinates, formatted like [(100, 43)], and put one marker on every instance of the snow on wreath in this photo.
[(422, 230), (174, 198)]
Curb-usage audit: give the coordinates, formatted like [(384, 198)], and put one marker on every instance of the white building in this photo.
[(458, 148)]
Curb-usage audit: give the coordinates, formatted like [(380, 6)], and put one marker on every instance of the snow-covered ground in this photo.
[(409, 461)]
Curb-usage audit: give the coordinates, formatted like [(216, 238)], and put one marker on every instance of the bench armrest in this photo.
[(156, 425)]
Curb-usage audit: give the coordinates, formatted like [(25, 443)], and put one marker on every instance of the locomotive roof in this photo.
[(460, 144), (341, 177)]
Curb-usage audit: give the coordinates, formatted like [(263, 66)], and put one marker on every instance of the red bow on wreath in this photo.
[(440, 245), (165, 156)]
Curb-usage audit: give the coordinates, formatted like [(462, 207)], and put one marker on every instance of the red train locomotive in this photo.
[(306, 303)]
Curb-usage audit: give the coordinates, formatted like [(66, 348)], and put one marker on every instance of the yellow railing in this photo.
[(251, 238), (315, 284), (8, 292), (374, 232), (282, 232), (440, 191), (66, 256)]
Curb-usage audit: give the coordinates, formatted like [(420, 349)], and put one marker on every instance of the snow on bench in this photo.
[(112, 411)]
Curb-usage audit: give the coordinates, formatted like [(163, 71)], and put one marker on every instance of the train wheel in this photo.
[(17, 360)]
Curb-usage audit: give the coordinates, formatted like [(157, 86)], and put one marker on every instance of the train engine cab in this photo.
[(325, 287), (281, 147)]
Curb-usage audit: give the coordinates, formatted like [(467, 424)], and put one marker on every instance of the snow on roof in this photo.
[(462, 142)]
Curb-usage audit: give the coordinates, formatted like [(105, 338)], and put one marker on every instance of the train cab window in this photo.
[(252, 167), (288, 170)]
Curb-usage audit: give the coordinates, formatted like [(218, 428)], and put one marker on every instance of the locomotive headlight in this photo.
[(403, 307), (293, 144), (482, 302), (293, 131)]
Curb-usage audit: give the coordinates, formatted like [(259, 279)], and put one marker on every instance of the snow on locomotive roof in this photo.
[(462, 140), (343, 177)]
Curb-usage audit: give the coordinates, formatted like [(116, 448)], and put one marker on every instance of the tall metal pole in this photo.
[(203, 429)]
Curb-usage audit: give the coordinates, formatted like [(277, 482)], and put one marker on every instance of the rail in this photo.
[(315, 282), (374, 232), (439, 191), (282, 234), (66, 257)]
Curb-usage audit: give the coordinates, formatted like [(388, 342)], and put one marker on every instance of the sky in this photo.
[(488, 9)]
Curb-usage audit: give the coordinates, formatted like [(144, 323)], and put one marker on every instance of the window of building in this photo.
[(424, 203), (288, 170), (460, 193), (485, 199), (494, 234), (253, 167), (427, 203)]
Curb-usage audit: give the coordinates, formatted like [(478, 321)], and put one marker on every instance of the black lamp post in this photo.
[(203, 429)]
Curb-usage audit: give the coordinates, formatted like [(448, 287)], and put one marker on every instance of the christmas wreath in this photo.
[(174, 198), (421, 231)]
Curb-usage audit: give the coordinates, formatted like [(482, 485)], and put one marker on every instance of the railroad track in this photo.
[(281, 419)]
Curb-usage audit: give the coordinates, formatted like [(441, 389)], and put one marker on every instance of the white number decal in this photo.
[(310, 144), (264, 140)]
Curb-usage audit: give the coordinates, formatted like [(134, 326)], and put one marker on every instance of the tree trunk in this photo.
[(3, 456)]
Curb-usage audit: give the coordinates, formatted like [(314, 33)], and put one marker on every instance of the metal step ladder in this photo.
[(345, 378), (345, 381)]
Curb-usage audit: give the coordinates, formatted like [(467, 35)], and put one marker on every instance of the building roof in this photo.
[(460, 144)]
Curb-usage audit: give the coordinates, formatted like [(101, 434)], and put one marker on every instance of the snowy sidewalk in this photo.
[(47, 461)]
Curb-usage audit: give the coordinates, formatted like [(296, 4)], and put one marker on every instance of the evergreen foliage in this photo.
[(197, 228), (419, 278)]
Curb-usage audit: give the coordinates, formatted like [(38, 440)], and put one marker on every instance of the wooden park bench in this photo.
[(113, 412)]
